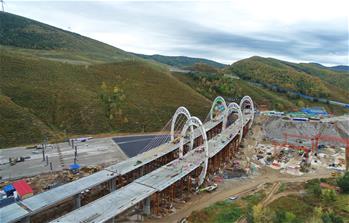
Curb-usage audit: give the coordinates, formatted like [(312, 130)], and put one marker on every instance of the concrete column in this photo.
[(146, 207), (25, 220), (142, 170), (77, 199), (113, 184)]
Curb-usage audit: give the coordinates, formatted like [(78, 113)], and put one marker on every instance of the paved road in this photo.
[(133, 145), (92, 152)]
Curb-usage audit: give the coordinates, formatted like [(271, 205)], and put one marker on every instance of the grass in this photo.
[(253, 199), (302, 207), (226, 211), (64, 98), (281, 188), (295, 205), (219, 212), (52, 83), (318, 82), (210, 87), (36, 38)]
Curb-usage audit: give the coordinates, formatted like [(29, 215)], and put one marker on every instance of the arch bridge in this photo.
[(151, 180)]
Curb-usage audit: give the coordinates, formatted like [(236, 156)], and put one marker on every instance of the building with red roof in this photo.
[(23, 189)]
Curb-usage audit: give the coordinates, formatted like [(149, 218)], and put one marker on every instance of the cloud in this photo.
[(309, 31)]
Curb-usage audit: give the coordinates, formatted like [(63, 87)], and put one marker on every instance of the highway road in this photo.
[(133, 145)]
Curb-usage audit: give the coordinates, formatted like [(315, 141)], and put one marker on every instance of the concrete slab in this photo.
[(12, 213)]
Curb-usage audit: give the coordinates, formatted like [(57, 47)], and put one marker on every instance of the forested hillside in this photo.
[(181, 61), (303, 78)]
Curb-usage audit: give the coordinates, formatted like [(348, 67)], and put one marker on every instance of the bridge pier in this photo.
[(113, 184), (77, 200), (25, 220), (146, 206), (112, 220)]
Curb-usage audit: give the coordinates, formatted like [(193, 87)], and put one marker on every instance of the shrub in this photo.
[(343, 182)]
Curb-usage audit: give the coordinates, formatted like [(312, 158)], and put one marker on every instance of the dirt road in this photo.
[(227, 189)]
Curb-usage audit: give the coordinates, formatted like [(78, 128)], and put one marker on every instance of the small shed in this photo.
[(23, 189), (314, 111), (9, 189)]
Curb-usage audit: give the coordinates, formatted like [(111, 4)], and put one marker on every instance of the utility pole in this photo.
[(75, 154), (44, 145), (43, 152), (2, 5)]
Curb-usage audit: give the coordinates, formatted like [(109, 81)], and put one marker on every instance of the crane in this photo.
[(319, 137)]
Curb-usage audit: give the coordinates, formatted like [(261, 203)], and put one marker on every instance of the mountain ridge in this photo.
[(180, 61)]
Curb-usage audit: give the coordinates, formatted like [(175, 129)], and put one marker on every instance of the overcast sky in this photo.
[(226, 31)]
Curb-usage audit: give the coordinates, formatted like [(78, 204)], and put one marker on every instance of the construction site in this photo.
[(234, 149)]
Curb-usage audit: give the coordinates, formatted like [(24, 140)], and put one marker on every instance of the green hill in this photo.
[(52, 98), (181, 61), (232, 89), (43, 97), (304, 78), (36, 38), (337, 78)]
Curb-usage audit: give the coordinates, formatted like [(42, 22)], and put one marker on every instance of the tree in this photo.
[(329, 195), (300, 103), (343, 182), (313, 187), (257, 213), (261, 215), (331, 217), (249, 214), (282, 216), (112, 99), (317, 213)]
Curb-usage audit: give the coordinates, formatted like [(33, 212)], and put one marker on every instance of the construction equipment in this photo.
[(325, 138)]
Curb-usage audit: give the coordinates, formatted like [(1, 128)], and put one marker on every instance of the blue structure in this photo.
[(7, 201), (74, 168), (314, 111), (9, 189)]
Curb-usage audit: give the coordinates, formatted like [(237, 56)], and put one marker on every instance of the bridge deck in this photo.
[(109, 206), (12, 212), (133, 163), (131, 194), (35, 203)]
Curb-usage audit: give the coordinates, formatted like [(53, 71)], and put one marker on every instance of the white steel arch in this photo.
[(248, 99), (180, 111), (216, 100), (231, 108), (195, 122)]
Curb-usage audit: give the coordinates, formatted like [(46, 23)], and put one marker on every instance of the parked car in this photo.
[(233, 198)]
